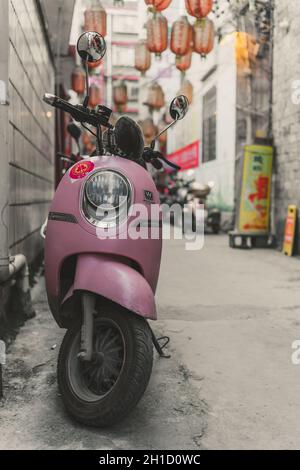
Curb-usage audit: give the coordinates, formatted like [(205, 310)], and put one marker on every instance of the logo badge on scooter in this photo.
[(148, 196), (81, 169)]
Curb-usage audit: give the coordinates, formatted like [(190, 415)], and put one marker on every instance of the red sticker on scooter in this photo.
[(81, 169)]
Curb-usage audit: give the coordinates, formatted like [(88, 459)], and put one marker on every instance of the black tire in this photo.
[(132, 380)]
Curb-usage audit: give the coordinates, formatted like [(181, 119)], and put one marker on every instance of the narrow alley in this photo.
[(232, 317)]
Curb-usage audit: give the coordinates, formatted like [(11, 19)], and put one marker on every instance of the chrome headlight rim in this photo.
[(121, 211)]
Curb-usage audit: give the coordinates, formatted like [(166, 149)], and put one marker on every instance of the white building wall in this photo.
[(220, 70)]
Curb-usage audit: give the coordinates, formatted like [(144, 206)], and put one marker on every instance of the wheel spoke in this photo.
[(101, 374), (101, 340), (113, 340)]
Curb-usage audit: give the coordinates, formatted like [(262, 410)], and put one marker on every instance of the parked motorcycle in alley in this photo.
[(101, 288), (197, 194), (189, 195)]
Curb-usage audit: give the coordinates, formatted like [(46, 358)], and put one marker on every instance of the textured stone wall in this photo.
[(286, 109)]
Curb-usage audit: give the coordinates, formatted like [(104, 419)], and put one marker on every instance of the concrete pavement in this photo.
[(232, 317)]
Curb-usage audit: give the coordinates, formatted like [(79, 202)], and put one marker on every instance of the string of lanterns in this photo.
[(95, 19), (185, 39)]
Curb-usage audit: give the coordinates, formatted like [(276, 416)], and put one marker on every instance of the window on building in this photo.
[(133, 91), (125, 24), (209, 140), (123, 56)]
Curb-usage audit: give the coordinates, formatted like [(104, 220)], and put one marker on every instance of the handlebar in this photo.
[(100, 116), (80, 113), (154, 157)]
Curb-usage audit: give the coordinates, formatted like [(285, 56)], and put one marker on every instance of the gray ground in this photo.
[(232, 317)]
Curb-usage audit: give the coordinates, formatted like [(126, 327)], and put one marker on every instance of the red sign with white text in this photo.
[(187, 157)]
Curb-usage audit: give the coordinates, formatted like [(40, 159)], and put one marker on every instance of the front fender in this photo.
[(116, 281)]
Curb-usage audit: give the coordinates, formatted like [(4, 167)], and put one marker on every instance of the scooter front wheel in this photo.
[(103, 391)]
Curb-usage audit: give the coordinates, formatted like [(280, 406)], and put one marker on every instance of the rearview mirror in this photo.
[(179, 107), (91, 46)]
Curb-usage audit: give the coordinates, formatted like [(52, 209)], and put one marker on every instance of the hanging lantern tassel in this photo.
[(204, 36), (157, 34)]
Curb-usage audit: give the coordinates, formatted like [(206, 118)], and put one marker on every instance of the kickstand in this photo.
[(159, 348)]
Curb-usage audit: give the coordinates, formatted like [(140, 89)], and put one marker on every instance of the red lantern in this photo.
[(88, 146), (158, 5), (157, 34), (204, 36), (184, 62), (142, 57), (163, 137), (95, 19), (120, 95), (168, 118), (149, 130), (95, 96), (187, 90), (94, 65), (199, 8), (78, 80), (156, 97), (181, 36)]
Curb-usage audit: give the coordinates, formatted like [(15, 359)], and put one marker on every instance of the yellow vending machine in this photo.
[(253, 218)]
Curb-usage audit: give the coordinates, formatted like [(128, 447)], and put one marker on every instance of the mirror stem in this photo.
[(161, 133), (87, 98)]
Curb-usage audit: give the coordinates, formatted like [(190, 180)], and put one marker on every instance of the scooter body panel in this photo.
[(75, 236), (117, 282)]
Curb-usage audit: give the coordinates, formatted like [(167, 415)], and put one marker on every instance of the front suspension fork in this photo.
[(87, 328)]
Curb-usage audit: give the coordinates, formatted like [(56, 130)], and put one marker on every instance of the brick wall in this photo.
[(286, 114), (31, 128)]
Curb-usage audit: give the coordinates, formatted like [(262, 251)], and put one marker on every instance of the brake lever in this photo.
[(157, 164), (171, 164), (154, 157)]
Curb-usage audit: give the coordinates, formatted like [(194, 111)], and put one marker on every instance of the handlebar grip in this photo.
[(77, 114), (57, 102)]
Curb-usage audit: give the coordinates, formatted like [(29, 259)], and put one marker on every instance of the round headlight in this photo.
[(107, 197)]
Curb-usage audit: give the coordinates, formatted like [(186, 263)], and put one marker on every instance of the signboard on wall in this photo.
[(187, 157), (254, 216)]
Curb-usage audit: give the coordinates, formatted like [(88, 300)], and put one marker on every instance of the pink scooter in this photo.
[(101, 287)]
